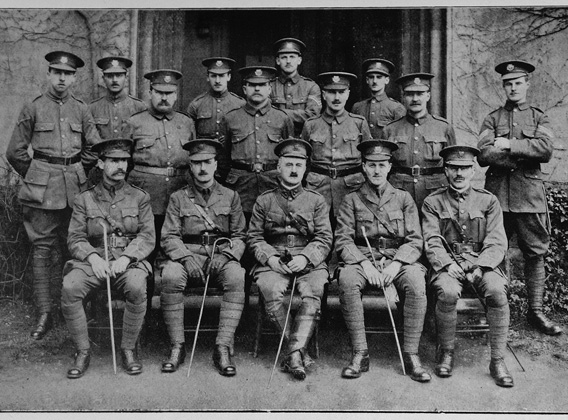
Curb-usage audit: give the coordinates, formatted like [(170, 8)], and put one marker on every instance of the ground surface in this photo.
[(32, 374)]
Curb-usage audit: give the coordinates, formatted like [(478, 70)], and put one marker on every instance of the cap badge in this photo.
[(335, 79), (114, 63), (461, 153), (417, 81), (167, 79), (218, 63), (510, 67), (258, 72), (64, 60)]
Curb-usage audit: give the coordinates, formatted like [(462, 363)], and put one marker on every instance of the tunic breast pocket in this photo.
[(102, 121), (77, 130), (478, 224), (204, 115), (306, 221), (402, 154), (300, 103), (396, 221), (364, 218), (94, 217), (130, 219), (352, 141), (191, 222), (43, 135), (144, 141), (222, 215), (529, 131), (274, 137), (240, 134), (433, 147)]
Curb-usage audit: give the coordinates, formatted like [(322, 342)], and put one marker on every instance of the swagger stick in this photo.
[(455, 258), (203, 299), (105, 240), (386, 298)]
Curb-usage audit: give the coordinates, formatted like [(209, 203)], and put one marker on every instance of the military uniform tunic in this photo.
[(111, 113), (334, 140), (298, 96), (514, 175), (208, 110), (127, 214), (419, 142), (59, 127), (250, 135), (160, 164), (379, 112)]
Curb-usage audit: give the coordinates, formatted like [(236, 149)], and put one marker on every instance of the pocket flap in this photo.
[(395, 215), (33, 176), (102, 121), (275, 138), (77, 128), (44, 126), (130, 212)]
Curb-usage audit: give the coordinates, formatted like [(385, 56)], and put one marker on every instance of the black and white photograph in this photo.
[(318, 209)]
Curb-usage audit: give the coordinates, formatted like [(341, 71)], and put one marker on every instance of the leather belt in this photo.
[(467, 247), (57, 160), (205, 239), (113, 241), (417, 170), (381, 243), (333, 173), (155, 170), (255, 167), (288, 241)]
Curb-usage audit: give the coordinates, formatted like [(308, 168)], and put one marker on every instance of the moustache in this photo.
[(120, 173), (293, 175), (201, 173)]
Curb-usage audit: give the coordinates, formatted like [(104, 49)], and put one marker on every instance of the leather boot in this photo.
[(539, 320), (81, 364), (359, 363), (294, 365), (223, 362), (500, 373), (177, 357), (414, 368), (130, 362), (444, 362), (44, 324)]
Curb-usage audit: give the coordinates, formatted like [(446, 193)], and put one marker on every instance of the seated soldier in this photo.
[(392, 226), (197, 216), (291, 221), (466, 242), (126, 212)]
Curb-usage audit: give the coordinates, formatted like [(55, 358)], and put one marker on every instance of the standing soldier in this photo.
[(250, 134), (334, 135), (515, 139), (197, 216), (379, 110), (208, 109), (159, 133), (391, 219), (128, 215), (61, 130), (296, 95), (293, 221), (111, 112), (470, 221), (420, 136)]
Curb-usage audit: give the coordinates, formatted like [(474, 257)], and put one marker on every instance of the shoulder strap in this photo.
[(282, 204), (389, 229), (203, 214)]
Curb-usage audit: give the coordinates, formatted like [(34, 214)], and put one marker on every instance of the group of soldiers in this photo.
[(273, 185)]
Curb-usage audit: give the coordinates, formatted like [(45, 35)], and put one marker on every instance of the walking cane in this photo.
[(105, 240), (454, 257), (285, 326), (203, 299), (386, 298)]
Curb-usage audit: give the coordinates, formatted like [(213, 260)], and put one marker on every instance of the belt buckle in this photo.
[(415, 170), (257, 167), (112, 241), (290, 241), (382, 243), (333, 173), (456, 246), (170, 171), (66, 161), (205, 239), (467, 248)]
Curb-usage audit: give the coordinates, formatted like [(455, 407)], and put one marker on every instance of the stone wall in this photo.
[(480, 38)]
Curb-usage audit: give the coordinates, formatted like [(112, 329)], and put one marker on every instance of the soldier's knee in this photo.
[(174, 277), (71, 290), (447, 296), (136, 287), (349, 278)]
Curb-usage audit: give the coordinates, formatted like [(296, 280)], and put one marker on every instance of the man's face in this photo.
[(256, 93), (291, 170), (416, 101), (289, 62), (516, 89), (459, 176), (115, 82), (377, 82), (60, 80), (114, 169), (335, 99), (162, 102), (377, 172), (218, 82), (203, 171)]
